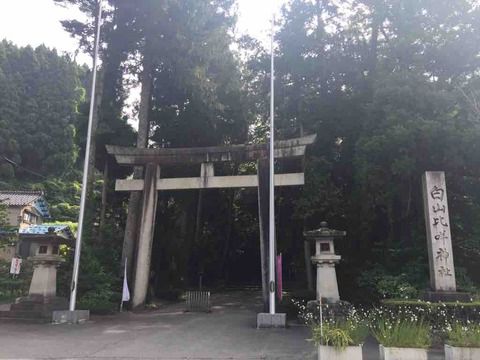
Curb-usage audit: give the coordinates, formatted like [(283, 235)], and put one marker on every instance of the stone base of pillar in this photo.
[(44, 280), (338, 310), (446, 296), (36, 308), (70, 317), (267, 320), (327, 286)]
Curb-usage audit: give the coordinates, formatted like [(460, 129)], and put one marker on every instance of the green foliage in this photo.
[(99, 302), (464, 335), (342, 325), (3, 215), (340, 334), (391, 89), (388, 101), (8, 234), (63, 197), (12, 287), (379, 282), (411, 333), (39, 95), (97, 286), (331, 335)]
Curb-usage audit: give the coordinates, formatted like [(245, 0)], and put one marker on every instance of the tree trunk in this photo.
[(131, 227), (103, 208)]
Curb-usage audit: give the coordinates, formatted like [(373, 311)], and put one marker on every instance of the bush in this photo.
[(99, 302), (380, 284), (96, 285), (10, 287)]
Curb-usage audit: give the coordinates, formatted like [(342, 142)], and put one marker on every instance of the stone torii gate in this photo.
[(153, 159)]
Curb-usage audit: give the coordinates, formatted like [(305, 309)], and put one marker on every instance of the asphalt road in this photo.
[(228, 332)]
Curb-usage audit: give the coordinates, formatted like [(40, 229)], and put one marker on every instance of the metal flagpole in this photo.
[(272, 173), (78, 244), (320, 311)]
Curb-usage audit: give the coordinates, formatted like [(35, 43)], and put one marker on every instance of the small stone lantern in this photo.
[(325, 260), (42, 297), (45, 262)]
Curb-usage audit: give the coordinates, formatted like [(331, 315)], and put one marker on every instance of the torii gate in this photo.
[(153, 159)]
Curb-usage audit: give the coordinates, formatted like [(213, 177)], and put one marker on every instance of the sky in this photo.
[(35, 22)]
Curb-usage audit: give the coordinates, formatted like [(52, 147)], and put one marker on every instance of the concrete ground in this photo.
[(228, 332)]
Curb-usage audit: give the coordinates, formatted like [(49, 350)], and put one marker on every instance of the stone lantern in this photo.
[(325, 260), (45, 262), (42, 297)]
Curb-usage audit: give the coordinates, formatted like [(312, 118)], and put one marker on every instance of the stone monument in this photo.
[(325, 260), (440, 254)]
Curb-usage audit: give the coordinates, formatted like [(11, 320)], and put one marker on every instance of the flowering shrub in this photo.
[(438, 315), (463, 334), (342, 324), (394, 323), (309, 313)]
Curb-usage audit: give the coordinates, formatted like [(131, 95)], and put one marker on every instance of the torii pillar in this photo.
[(145, 237)]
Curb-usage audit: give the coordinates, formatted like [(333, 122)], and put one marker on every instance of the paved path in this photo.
[(168, 333)]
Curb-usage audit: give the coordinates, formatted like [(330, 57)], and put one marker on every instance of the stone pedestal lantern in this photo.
[(42, 297), (45, 263), (325, 260)]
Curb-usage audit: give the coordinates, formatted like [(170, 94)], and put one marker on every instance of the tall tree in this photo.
[(41, 92)]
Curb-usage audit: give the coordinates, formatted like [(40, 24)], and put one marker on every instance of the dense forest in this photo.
[(390, 87)]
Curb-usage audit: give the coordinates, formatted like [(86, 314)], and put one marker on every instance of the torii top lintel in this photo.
[(241, 153)]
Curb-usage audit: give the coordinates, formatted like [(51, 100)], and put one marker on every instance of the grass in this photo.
[(403, 333), (340, 334), (461, 335)]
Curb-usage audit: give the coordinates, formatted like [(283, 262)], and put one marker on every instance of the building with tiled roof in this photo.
[(25, 208)]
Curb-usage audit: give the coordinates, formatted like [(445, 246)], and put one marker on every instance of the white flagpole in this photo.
[(272, 172), (78, 244)]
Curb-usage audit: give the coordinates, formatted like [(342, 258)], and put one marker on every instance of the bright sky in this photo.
[(35, 22)]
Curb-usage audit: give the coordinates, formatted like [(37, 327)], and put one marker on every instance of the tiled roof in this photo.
[(19, 198), (59, 229), (24, 198)]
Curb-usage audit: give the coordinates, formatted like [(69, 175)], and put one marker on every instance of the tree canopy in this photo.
[(391, 88)]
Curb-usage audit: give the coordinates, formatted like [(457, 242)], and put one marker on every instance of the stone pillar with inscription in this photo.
[(440, 254)]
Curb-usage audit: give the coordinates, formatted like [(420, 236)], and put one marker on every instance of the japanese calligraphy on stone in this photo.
[(442, 272)]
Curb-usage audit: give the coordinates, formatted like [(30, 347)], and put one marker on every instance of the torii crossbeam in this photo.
[(153, 159)]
